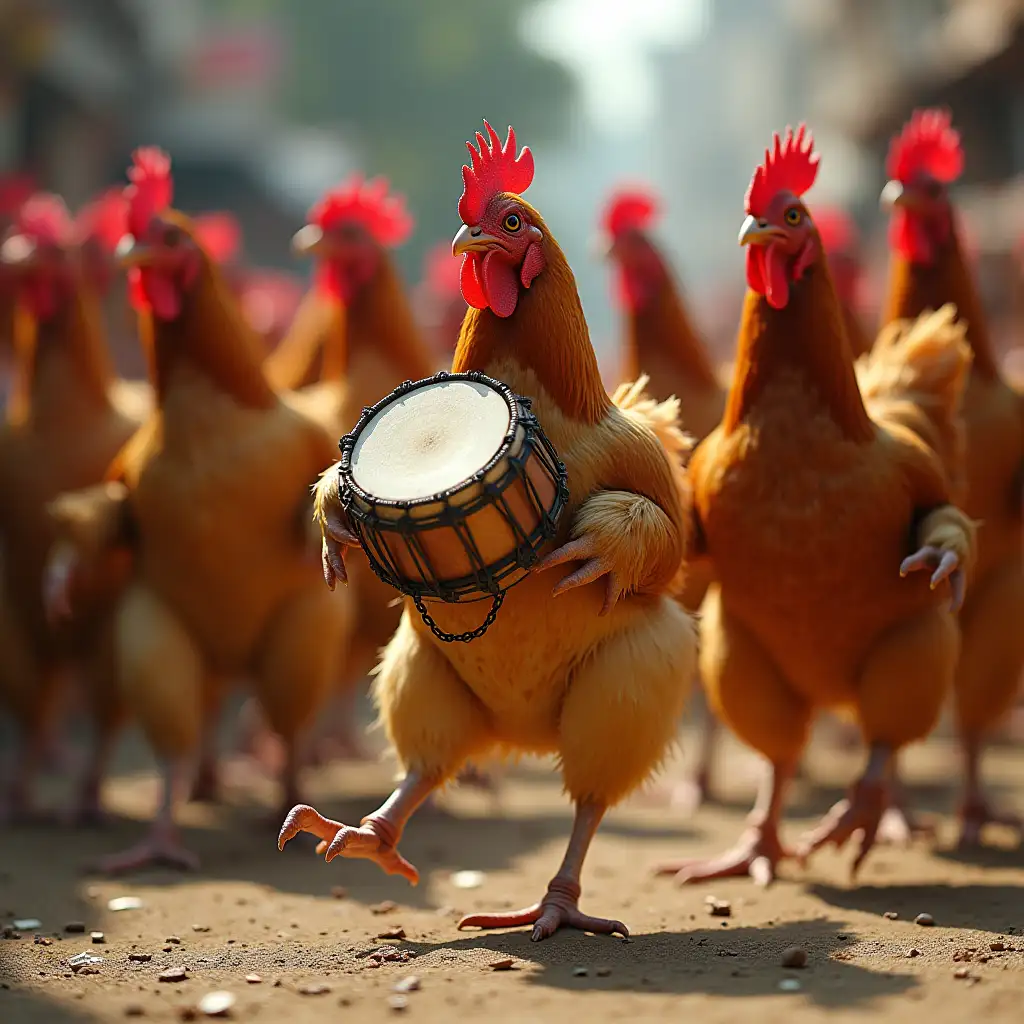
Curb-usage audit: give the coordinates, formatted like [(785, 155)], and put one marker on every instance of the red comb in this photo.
[(369, 205), (495, 168), (15, 189), (45, 219), (928, 143), (789, 166), (151, 187), (443, 271), (220, 235), (105, 219), (629, 209), (836, 229)]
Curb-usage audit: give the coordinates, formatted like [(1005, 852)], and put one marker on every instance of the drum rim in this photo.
[(348, 442)]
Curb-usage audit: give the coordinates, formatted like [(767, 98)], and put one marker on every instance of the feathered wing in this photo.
[(915, 377)]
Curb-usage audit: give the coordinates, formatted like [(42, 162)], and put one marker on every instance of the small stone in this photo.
[(717, 907), (603, 972), (200, 927), (10, 933), (188, 1013), (87, 970), (924, 920), (140, 958), (27, 924), (98, 938), (398, 1003), (891, 915), (961, 973), (468, 879), (339, 892), (410, 984), (216, 1004), (173, 940), (166, 949), (134, 1010), (253, 979), (75, 927), (911, 953), (42, 940), (119, 903), (997, 947), (314, 988), (392, 933), (789, 985), (173, 974), (384, 907), (506, 964), (794, 957), (580, 972)]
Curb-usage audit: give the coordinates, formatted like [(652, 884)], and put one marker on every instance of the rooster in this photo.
[(222, 466), (830, 535), (929, 268), (602, 659), (64, 426)]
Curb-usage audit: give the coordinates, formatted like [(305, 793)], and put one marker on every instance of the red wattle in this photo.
[(501, 283), (776, 277), (908, 237), (755, 269), (470, 283)]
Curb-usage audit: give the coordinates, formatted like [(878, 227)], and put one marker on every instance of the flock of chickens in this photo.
[(849, 522)]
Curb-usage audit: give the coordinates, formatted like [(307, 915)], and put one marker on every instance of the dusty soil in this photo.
[(318, 955)]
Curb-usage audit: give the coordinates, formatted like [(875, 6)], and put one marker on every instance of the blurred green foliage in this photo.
[(410, 81)]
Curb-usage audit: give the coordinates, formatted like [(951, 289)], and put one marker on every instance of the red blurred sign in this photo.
[(236, 58)]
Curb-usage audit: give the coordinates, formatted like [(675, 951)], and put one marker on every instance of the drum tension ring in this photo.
[(460, 638)]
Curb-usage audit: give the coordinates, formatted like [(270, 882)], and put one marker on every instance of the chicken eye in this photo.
[(793, 216), (513, 222), (173, 236)]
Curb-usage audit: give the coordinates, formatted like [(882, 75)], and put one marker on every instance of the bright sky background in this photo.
[(607, 43)]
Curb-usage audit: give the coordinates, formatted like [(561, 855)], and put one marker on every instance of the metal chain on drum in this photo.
[(460, 638)]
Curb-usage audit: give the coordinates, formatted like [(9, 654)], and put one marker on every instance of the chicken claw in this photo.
[(595, 565), (372, 840), (337, 537), (945, 565), (757, 854), (975, 815), (558, 909), (862, 813)]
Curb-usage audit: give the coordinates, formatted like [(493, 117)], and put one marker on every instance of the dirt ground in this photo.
[(319, 955)]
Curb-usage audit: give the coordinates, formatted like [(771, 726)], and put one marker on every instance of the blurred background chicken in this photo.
[(64, 425), (221, 467), (928, 268)]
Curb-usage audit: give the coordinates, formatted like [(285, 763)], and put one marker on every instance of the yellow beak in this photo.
[(758, 232), (471, 238), (18, 251), (130, 253), (893, 195), (308, 240)]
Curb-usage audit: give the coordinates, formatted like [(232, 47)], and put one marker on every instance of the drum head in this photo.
[(430, 440)]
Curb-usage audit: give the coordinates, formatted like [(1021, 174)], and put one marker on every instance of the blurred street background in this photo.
[(264, 103)]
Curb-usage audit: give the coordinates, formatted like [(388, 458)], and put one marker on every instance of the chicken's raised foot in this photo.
[(757, 854), (372, 840), (583, 549), (558, 909), (976, 814)]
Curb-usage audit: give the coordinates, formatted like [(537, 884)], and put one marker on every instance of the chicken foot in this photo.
[(899, 825), (163, 845), (861, 812), (560, 906), (378, 833), (975, 811), (759, 849)]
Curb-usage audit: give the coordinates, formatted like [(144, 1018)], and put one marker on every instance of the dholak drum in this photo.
[(452, 488)]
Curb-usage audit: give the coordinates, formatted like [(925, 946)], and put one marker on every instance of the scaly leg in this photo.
[(378, 833), (163, 845), (759, 850), (975, 810), (860, 812), (88, 809), (206, 782), (899, 826), (560, 906)]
